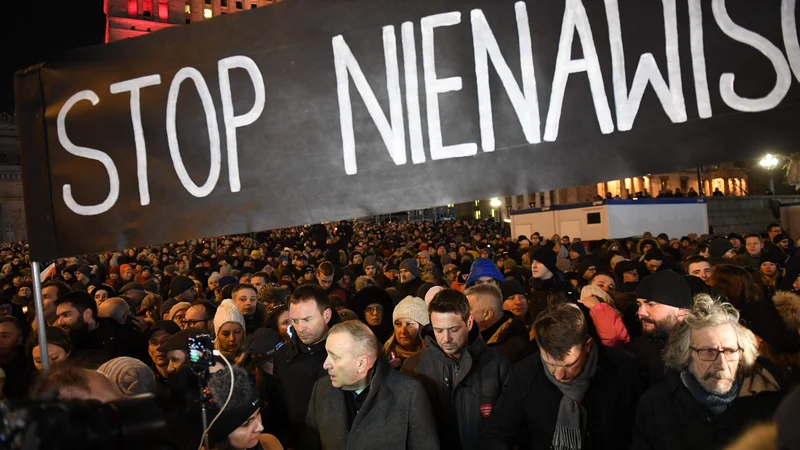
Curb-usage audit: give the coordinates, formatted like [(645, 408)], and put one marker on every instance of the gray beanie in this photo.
[(411, 266), (131, 375)]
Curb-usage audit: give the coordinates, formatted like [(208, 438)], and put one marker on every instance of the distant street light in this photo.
[(495, 203), (769, 162)]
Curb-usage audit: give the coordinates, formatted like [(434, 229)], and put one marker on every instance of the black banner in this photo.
[(318, 110)]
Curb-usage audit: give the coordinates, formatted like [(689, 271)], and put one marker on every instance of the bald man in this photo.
[(501, 330), (116, 309), (363, 403)]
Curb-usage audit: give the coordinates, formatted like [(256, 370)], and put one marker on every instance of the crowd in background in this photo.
[(451, 334)]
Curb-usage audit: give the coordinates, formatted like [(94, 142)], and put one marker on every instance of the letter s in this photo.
[(89, 153)]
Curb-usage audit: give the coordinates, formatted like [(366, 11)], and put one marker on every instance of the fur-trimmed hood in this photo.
[(788, 305)]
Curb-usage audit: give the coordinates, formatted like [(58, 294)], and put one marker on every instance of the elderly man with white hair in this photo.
[(713, 387)]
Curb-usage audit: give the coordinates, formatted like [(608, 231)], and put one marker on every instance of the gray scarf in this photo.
[(716, 403), (571, 418)]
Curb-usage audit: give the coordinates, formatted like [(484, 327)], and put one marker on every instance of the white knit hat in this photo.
[(227, 312), (131, 375), (412, 308)]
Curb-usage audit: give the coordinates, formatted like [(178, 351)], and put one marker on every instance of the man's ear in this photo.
[(682, 313), (327, 315)]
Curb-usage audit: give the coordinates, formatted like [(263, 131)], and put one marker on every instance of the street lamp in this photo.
[(495, 203), (769, 162)]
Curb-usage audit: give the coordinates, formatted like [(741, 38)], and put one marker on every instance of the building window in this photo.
[(188, 21), (148, 9), (207, 13), (253, 6), (188, 9), (664, 183), (133, 7), (238, 5), (593, 218), (208, 2), (223, 3), (163, 10), (684, 184)]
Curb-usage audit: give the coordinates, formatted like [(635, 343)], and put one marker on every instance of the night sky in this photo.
[(34, 31)]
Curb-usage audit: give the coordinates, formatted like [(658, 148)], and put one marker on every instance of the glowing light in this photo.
[(207, 13), (495, 203), (768, 162)]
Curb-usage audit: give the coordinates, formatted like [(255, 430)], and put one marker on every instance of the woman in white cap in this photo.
[(230, 331), (409, 316)]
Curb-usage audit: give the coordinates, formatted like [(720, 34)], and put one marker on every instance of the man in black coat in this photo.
[(573, 394), (500, 329), (713, 388), (461, 375), (664, 299), (363, 403), (298, 365), (96, 340)]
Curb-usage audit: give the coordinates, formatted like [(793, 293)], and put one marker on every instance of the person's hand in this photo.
[(395, 363)]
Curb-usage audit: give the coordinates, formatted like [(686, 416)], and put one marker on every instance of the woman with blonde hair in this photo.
[(409, 316)]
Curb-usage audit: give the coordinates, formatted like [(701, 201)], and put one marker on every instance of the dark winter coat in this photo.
[(509, 337), (530, 402), (395, 415), (297, 368), (648, 352), (463, 393), (669, 418)]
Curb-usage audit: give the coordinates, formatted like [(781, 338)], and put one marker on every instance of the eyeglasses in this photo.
[(373, 309), (191, 323), (711, 354)]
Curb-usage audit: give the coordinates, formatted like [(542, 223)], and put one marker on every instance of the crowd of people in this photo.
[(450, 335)]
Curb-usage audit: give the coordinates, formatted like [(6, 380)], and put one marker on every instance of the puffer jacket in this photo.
[(462, 393)]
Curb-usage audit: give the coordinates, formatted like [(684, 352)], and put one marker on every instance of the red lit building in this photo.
[(132, 18)]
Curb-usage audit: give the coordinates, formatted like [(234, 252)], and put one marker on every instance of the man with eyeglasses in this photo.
[(200, 316), (713, 388)]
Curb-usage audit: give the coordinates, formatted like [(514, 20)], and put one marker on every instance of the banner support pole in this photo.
[(41, 325)]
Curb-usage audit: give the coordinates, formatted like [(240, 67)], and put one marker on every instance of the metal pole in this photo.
[(700, 181), (771, 183), (41, 325)]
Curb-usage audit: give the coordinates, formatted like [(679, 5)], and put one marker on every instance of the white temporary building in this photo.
[(614, 219)]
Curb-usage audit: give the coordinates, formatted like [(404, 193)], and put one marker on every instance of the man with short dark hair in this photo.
[(363, 403), (298, 365), (462, 376), (573, 394), (51, 291), (699, 267), (751, 258), (96, 339), (245, 297)]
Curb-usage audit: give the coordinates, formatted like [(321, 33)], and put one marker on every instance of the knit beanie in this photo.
[(182, 306), (369, 261), (179, 285), (773, 255), (131, 375), (718, 247), (413, 308), (432, 293), (666, 287), (227, 280), (509, 264), (411, 266), (227, 312), (546, 257), (511, 287), (578, 248), (124, 267)]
